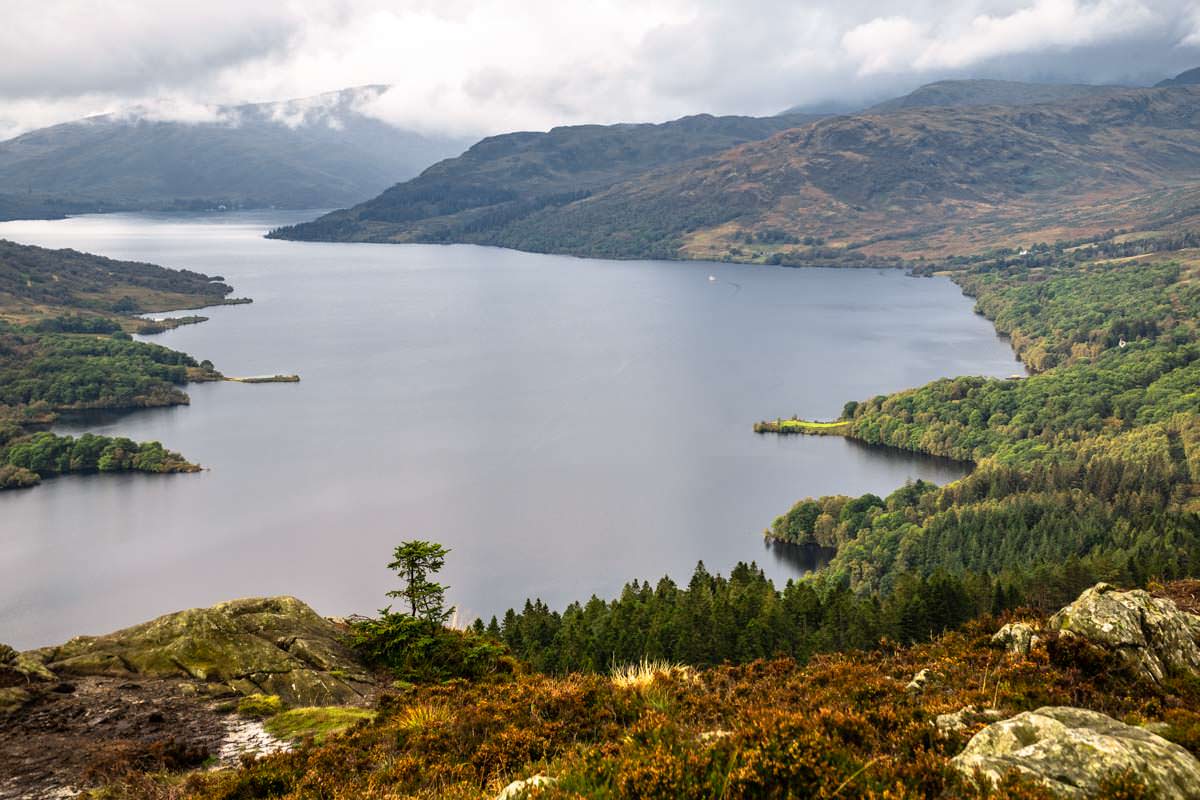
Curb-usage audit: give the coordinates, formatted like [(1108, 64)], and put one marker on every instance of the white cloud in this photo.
[(485, 66), (885, 44)]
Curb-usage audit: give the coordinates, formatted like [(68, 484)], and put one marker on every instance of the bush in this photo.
[(407, 646)]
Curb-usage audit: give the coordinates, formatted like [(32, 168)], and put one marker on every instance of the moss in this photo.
[(274, 645), (317, 722), (260, 706)]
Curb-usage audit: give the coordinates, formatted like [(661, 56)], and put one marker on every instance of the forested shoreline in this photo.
[(1085, 471), (65, 345)]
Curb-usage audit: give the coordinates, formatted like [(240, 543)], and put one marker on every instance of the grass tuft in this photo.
[(317, 722), (643, 673)]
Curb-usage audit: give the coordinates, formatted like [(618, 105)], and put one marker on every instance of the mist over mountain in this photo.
[(312, 152), (1189, 78), (967, 93)]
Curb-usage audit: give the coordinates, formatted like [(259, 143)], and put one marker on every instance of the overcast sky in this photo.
[(486, 66)]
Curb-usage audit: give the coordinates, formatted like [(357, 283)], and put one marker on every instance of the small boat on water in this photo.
[(712, 277)]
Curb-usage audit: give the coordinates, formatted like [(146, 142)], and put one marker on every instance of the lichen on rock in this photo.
[(962, 720), (520, 789), (1072, 751), (274, 646), (1018, 638), (1151, 634)]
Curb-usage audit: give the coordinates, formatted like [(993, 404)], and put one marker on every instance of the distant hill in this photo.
[(314, 152), (967, 93), (1189, 78), (25, 205), (504, 179), (914, 182)]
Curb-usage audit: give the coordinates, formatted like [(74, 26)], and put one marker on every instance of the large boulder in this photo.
[(272, 645), (1149, 633), (1071, 752), (1018, 638)]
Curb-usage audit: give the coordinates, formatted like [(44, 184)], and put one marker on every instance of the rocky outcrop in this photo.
[(275, 646), (520, 789), (919, 682), (963, 720), (1149, 633), (1071, 752), (17, 668), (1018, 638)]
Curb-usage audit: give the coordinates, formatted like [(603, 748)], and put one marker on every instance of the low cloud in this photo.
[(473, 67)]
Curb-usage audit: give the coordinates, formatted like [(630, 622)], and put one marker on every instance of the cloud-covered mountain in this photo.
[(1189, 78), (967, 93), (918, 181), (313, 152)]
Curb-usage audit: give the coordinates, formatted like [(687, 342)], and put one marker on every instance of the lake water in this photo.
[(564, 425)]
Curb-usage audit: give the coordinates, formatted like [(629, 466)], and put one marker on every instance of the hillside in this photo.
[(967, 93), (36, 282), (922, 182), (503, 180), (308, 153), (1190, 77)]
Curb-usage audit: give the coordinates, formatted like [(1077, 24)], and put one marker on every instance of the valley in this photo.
[(738, 455)]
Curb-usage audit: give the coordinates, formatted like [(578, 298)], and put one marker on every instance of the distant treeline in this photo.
[(26, 459), (713, 620), (68, 372)]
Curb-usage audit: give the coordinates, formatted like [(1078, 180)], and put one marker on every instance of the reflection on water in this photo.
[(893, 455), (563, 425), (799, 558)]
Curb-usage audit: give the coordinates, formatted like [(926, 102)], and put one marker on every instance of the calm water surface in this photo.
[(564, 425)]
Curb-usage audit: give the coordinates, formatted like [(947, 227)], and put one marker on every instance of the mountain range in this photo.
[(314, 152), (952, 168), (505, 179)]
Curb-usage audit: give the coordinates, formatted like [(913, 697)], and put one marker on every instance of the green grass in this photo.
[(787, 426), (260, 706), (317, 722)]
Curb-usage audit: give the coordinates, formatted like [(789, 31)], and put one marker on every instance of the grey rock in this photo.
[(919, 682), (519, 789), (1018, 638), (963, 719), (271, 645), (1071, 751), (1150, 634)]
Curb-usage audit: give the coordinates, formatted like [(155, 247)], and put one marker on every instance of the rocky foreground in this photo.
[(1101, 699), (166, 692)]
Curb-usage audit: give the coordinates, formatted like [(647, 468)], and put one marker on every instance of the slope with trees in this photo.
[(504, 179), (65, 345), (1091, 465), (917, 183)]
